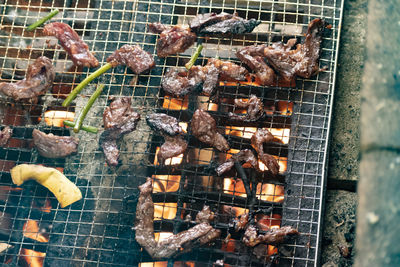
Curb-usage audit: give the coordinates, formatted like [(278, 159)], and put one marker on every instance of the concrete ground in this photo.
[(341, 200)]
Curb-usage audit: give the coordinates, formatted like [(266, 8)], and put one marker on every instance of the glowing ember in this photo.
[(282, 161), (162, 235), (247, 132), (203, 103), (165, 210), (166, 183), (154, 264), (31, 230), (32, 258), (171, 161), (201, 156), (176, 103), (57, 117), (267, 192), (184, 126), (285, 107)]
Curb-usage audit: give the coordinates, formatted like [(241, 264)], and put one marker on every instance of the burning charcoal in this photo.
[(255, 109), (119, 119), (77, 49), (177, 82), (222, 23), (257, 141), (5, 135), (243, 156), (164, 123), (302, 61), (173, 39), (172, 147), (134, 57), (273, 236), (200, 234), (53, 146), (253, 56), (39, 78), (204, 128)]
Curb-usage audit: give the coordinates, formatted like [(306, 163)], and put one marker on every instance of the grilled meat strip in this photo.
[(273, 236), (39, 78), (253, 56), (53, 146), (182, 242), (173, 39), (222, 23), (255, 109), (180, 82), (245, 156), (204, 128), (119, 119), (257, 142), (302, 61), (5, 135), (162, 122), (77, 49), (133, 56)]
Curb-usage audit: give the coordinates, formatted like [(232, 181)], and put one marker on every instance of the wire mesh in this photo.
[(97, 231)]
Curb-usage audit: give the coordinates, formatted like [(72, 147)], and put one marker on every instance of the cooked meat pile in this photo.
[(257, 142), (286, 61), (222, 23), (180, 82), (302, 61), (200, 234), (134, 57), (39, 78), (119, 119), (273, 236), (174, 144), (53, 146), (173, 39), (253, 56), (204, 128), (5, 135), (243, 156), (255, 109), (77, 49)]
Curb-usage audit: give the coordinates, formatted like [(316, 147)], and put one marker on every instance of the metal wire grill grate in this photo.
[(97, 231)]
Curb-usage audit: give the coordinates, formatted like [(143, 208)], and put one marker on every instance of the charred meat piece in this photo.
[(182, 242), (302, 61), (204, 128), (257, 141), (173, 39), (253, 56), (255, 109), (205, 215), (273, 236), (177, 82), (53, 146), (164, 123), (172, 147), (222, 23), (243, 156), (119, 119), (5, 135), (241, 222), (228, 71), (77, 49), (39, 78), (134, 57)]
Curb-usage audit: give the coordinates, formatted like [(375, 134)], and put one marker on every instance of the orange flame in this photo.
[(171, 161), (32, 258), (57, 117), (267, 192), (176, 103), (154, 264), (247, 132), (165, 210), (31, 230), (285, 107), (166, 183)]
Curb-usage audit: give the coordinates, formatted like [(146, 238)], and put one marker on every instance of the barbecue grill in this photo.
[(98, 230)]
